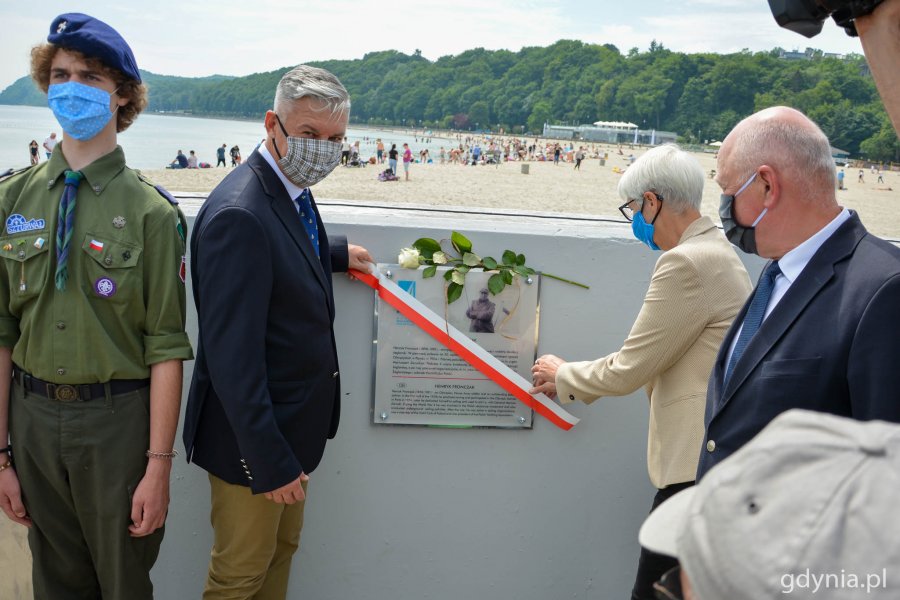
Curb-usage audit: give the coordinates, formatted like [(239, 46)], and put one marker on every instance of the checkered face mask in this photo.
[(307, 161)]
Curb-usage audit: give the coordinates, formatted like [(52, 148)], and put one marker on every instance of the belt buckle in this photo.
[(63, 393)]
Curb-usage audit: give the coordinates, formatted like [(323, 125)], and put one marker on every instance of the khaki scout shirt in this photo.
[(123, 308)]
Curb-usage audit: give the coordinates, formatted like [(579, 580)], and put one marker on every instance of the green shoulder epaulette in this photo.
[(181, 222), (159, 189), (13, 172)]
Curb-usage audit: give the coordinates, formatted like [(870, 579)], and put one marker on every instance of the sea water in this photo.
[(153, 140)]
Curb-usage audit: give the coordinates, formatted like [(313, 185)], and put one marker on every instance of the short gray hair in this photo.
[(797, 146), (304, 81), (668, 171)]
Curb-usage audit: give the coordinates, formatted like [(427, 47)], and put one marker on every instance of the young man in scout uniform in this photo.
[(92, 315)]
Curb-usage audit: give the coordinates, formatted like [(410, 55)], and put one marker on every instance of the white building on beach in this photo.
[(610, 132)]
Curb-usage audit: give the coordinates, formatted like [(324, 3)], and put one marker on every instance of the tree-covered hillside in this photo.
[(168, 93), (699, 96)]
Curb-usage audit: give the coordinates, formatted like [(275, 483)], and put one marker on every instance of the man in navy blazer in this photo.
[(829, 302), (265, 392)]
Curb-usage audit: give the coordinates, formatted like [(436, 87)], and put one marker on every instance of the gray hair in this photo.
[(668, 171), (304, 81), (794, 145)]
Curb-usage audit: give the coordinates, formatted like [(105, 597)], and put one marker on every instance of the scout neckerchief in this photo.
[(65, 226)]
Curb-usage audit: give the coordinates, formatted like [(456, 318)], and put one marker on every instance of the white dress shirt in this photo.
[(792, 264)]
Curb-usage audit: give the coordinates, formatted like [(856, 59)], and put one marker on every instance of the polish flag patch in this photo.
[(95, 245)]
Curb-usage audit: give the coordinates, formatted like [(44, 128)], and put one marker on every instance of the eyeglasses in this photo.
[(628, 212), (669, 585)]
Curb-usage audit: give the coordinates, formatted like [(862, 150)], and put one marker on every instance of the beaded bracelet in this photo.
[(5, 466), (162, 455)]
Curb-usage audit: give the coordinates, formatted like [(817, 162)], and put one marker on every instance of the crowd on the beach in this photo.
[(181, 161)]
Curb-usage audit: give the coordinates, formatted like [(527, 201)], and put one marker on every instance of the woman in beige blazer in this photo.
[(697, 288)]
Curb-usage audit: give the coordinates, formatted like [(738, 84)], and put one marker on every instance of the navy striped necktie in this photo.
[(754, 317)]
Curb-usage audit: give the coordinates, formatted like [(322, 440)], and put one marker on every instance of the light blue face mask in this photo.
[(643, 230), (82, 110)]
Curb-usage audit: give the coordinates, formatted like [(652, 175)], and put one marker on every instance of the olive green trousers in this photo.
[(78, 464)]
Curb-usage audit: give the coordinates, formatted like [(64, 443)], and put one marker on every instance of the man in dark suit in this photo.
[(821, 331), (265, 393)]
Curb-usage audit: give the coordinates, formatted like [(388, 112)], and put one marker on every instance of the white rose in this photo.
[(439, 258), (409, 258)]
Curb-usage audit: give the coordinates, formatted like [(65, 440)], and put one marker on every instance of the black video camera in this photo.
[(807, 16)]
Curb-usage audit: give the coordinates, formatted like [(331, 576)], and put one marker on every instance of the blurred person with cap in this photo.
[(92, 338), (807, 508), (820, 331), (697, 287)]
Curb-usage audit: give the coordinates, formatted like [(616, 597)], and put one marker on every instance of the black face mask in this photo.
[(739, 235)]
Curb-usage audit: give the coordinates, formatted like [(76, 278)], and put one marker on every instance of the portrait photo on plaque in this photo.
[(420, 381)]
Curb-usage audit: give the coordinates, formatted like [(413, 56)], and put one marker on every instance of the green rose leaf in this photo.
[(496, 283), (463, 269), (471, 260), (509, 257), (454, 291), (520, 260), (523, 271), (508, 277), (448, 274), (460, 242), (429, 271), (489, 263), (458, 278), (426, 247)]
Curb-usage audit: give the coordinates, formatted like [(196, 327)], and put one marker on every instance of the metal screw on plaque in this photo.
[(522, 420), (529, 281), (388, 274), (384, 416)]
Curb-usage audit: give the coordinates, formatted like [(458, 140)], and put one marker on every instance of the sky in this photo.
[(193, 38)]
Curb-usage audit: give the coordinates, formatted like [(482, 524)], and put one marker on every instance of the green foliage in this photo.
[(884, 145), (431, 255), (699, 95)]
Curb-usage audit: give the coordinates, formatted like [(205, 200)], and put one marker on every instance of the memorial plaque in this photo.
[(418, 381)]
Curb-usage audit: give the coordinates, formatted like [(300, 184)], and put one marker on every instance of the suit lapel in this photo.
[(285, 211), (817, 273)]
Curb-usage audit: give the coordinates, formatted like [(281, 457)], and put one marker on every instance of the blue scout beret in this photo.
[(94, 38)]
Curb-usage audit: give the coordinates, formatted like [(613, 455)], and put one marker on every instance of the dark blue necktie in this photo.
[(754, 317), (308, 218)]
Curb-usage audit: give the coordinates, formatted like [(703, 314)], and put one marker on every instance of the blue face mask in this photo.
[(643, 230), (82, 110)]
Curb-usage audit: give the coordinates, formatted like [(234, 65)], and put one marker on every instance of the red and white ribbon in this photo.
[(438, 328)]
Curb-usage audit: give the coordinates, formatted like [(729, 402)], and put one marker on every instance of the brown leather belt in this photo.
[(65, 392)]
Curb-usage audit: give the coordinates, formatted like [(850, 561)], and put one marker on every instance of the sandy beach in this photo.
[(546, 188)]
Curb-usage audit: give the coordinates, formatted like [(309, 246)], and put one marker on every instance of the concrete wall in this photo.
[(412, 512), (399, 512)]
